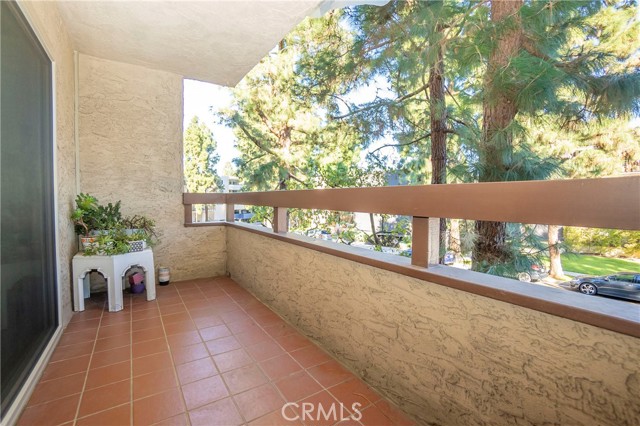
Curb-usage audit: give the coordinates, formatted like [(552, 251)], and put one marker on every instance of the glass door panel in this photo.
[(28, 304)]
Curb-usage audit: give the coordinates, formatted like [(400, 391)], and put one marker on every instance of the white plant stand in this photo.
[(113, 268)]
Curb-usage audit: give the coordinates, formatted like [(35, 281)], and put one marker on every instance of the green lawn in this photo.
[(596, 265)]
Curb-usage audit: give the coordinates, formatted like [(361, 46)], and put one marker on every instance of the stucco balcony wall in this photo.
[(446, 356), (130, 131)]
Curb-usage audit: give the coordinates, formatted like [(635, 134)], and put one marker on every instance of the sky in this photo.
[(199, 99)]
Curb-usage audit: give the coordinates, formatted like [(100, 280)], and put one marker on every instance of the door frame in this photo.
[(15, 409)]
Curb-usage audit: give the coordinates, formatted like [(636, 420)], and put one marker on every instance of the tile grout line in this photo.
[(102, 411), (239, 303), (220, 373), (255, 321), (304, 369), (257, 363), (235, 403), (230, 395), (86, 376), (173, 364), (131, 361)]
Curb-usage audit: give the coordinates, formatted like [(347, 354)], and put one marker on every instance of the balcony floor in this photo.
[(205, 352)]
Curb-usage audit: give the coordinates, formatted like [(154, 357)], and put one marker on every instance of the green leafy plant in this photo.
[(103, 245), (108, 217), (84, 216), (90, 216), (143, 229), (111, 231)]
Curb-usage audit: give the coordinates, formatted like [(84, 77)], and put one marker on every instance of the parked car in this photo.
[(535, 273), (625, 285)]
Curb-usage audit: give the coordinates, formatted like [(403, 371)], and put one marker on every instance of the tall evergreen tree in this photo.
[(405, 45), (285, 140), (477, 78), (552, 57), (200, 158)]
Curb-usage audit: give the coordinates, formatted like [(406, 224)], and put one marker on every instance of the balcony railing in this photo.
[(612, 203)]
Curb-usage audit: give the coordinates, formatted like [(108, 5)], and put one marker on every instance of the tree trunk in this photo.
[(372, 220), (499, 110), (454, 237), (555, 261), (438, 113), (489, 246)]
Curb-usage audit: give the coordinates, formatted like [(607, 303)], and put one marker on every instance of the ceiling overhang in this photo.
[(214, 41)]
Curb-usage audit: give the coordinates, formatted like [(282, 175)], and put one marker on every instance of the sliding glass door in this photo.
[(28, 307)]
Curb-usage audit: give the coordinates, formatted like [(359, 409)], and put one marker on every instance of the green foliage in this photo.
[(90, 216), (603, 241), (287, 141), (116, 240), (262, 215), (111, 231), (200, 159), (301, 120), (523, 250), (143, 229)]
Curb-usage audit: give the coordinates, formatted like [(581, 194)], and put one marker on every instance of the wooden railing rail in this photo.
[(597, 203)]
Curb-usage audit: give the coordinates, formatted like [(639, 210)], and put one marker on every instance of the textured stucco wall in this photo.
[(49, 27), (131, 150), (445, 356)]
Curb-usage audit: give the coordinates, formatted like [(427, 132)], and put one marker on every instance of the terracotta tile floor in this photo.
[(206, 352)]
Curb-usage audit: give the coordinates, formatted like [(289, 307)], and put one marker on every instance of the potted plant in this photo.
[(137, 240), (106, 217), (141, 232), (84, 218), (104, 231)]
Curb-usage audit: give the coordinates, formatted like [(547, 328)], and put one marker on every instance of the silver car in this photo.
[(625, 285)]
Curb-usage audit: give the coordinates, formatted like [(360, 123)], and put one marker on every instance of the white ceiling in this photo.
[(215, 41)]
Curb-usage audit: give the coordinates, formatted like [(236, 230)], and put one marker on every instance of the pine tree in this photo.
[(405, 45), (200, 158), (543, 58), (284, 138), (477, 78)]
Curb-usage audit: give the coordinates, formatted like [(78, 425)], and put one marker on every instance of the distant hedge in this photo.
[(607, 242)]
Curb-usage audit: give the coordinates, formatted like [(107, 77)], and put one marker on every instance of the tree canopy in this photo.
[(466, 91), (200, 158)]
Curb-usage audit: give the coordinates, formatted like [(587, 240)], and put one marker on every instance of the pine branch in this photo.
[(256, 142), (375, 105), (292, 176), (578, 59), (455, 120), (412, 94), (377, 160), (254, 158), (357, 111), (401, 144), (266, 122)]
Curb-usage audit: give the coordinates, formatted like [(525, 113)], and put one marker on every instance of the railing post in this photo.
[(230, 212), (188, 214), (280, 220), (425, 241)]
